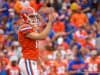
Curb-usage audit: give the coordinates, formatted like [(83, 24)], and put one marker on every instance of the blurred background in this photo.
[(71, 48)]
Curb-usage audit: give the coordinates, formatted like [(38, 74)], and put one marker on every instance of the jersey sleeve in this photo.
[(26, 29)]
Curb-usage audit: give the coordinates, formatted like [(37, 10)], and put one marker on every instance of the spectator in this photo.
[(78, 19), (92, 17), (93, 63), (18, 7), (57, 5), (13, 68), (5, 9), (77, 65), (3, 64), (86, 5), (58, 26), (36, 4)]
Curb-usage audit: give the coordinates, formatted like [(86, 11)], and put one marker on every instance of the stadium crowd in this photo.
[(69, 49)]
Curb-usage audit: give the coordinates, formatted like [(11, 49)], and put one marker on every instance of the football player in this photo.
[(28, 36)]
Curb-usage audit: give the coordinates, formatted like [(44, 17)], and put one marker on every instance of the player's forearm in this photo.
[(41, 35), (47, 30)]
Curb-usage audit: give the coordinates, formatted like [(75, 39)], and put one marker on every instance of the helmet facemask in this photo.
[(33, 19)]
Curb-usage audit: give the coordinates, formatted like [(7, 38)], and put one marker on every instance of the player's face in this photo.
[(34, 19)]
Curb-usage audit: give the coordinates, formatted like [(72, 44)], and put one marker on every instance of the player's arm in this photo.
[(44, 33)]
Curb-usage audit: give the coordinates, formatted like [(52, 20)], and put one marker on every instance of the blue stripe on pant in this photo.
[(28, 67)]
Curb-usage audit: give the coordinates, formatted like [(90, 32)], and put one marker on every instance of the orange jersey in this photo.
[(29, 49), (58, 27), (79, 19), (94, 65)]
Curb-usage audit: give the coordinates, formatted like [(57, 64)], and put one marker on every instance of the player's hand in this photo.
[(51, 17)]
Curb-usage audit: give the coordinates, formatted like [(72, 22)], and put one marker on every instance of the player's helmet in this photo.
[(30, 16)]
